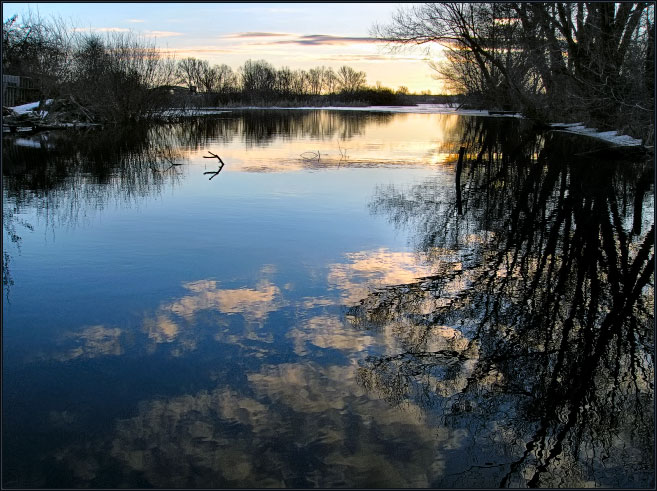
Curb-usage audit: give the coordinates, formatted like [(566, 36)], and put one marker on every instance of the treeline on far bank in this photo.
[(121, 76), (259, 83)]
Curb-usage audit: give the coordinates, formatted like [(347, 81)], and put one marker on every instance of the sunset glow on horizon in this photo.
[(295, 35)]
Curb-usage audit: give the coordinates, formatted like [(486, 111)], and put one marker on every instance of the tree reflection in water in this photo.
[(546, 282), (261, 127), (61, 176)]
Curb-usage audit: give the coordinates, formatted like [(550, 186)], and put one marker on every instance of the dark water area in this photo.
[(342, 305)]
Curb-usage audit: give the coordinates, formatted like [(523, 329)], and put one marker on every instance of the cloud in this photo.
[(162, 34), (325, 39), (134, 20), (162, 329), (372, 57), (175, 322), (302, 39), (101, 29), (191, 51), (247, 35), (157, 34)]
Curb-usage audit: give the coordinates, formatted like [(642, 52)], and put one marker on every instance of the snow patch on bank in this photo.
[(204, 111), (30, 107), (609, 136)]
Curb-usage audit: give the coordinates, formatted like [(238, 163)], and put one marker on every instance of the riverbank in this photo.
[(34, 117)]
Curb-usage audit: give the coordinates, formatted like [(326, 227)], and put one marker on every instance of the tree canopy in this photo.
[(589, 61)]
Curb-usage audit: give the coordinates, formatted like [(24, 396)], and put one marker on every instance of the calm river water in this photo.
[(343, 305)]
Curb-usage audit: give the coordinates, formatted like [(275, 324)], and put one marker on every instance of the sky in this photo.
[(297, 35)]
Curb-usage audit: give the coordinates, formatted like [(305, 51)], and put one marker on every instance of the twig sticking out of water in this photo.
[(213, 155), (343, 153), (221, 162)]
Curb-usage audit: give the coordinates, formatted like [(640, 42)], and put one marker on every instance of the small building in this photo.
[(19, 90)]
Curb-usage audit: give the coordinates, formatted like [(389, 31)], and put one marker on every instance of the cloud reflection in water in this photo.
[(295, 423), (303, 425)]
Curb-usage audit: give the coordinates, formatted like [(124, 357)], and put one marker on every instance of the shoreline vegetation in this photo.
[(542, 61), (34, 117), (120, 77)]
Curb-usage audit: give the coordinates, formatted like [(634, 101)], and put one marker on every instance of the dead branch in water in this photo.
[(221, 166), (213, 155)]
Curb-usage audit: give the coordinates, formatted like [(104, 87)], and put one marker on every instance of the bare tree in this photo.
[(579, 60), (258, 78), (349, 80), (189, 71), (226, 79), (284, 78), (315, 79), (299, 82), (37, 48), (207, 77), (329, 81)]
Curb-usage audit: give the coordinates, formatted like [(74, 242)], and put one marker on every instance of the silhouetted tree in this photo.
[(550, 59), (350, 80)]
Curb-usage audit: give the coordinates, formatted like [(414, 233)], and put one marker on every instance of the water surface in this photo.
[(343, 305)]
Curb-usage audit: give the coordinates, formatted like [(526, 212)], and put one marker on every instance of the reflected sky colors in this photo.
[(260, 329), (340, 140), (300, 425), (235, 315), (196, 328)]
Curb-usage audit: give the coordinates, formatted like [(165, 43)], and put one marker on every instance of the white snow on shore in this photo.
[(203, 111), (30, 107), (608, 136)]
